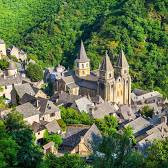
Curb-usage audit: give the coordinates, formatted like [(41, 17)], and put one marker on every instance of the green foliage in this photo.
[(108, 125), (71, 116), (4, 64), (147, 111), (29, 154), (157, 154), (57, 139), (34, 72), (51, 32), (62, 124), (116, 152), (9, 148), (66, 161)]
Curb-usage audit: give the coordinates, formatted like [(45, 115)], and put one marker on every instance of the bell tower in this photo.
[(82, 63), (125, 84), (106, 79)]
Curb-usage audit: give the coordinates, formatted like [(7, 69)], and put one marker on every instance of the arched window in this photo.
[(83, 72)]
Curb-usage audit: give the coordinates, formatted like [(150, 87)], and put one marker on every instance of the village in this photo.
[(99, 93)]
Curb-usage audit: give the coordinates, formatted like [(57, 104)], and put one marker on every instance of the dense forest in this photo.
[(50, 32)]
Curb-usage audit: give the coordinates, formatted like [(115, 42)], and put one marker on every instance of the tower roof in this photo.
[(82, 55), (106, 64), (122, 61)]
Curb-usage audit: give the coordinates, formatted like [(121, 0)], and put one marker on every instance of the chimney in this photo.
[(37, 103)]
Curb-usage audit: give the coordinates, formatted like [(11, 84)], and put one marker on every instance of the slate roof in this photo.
[(122, 61), (88, 84), (72, 85), (126, 112), (68, 79), (83, 104), (53, 127), (102, 110), (97, 99), (23, 89), (90, 134), (27, 98), (10, 80), (64, 98), (46, 106), (36, 127), (82, 55), (27, 110), (106, 64), (139, 124)]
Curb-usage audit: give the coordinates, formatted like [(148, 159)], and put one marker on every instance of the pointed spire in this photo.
[(82, 55), (122, 61), (106, 64)]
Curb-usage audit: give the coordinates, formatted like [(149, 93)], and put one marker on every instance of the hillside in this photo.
[(51, 32)]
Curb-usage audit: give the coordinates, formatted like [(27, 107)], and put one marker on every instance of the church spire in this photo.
[(122, 61), (82, 55), (106, 64)]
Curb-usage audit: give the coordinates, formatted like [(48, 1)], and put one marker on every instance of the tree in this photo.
[(66, 161), (4, 64), (54, 138), (157, 154), (115, 151), (9, 148), (29, 154), (34, 72), (147, 111), (108, 125)]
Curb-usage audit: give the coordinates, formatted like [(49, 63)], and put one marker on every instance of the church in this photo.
[(112, 83)]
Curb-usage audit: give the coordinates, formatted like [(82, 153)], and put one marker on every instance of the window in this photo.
[(125, 71), (52, 114), (38, 133), (121, 93), (110, 75), (82, 65), (87, 65), (83, 72)]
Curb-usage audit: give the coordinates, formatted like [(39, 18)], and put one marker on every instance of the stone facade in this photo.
[(113, 84)]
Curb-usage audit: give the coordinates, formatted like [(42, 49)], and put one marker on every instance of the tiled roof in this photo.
[(36, 127), (10, 80), (27, 110), (53, 127), (46, 106), (102, 110), (82, 55), (106, 64), (24, 88), (138, 124), (122, 61), (74, 133)]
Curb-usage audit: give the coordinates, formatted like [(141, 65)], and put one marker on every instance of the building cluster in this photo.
[(102, 92)]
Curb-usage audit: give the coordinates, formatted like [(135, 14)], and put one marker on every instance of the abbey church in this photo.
[(112, 83)]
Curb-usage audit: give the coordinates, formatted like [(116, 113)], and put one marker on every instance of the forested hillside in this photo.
[(50, 31)]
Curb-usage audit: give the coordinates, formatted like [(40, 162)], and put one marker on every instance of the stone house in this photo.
[(48, 110), (81, 139), (29, 112)]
